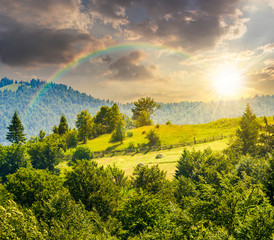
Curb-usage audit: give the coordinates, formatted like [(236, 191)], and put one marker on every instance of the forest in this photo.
[(213, 195), (42, 111)]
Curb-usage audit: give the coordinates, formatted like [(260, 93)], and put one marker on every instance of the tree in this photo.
[(107, 119), (16, 129), (84, 125), (248, 133), (45, 154), (41, 135), (153, 138), (82, 152), (12, 158), (118, 134), (63, 125), (143, 110), (151, 179), (93, 186)]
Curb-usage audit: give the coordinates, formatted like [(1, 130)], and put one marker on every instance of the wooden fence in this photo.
[(144, 149)]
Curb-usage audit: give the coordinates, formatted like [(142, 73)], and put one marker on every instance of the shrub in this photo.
[(153, 138), (131, 145), (168, 123), (82, 152), (129, 133)]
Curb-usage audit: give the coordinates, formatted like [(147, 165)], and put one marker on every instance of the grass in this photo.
[(12, 87), (168, 163), (169, 134)]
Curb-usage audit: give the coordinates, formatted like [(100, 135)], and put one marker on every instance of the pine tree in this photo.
[(248, 133), (63, 125), (16, 129)]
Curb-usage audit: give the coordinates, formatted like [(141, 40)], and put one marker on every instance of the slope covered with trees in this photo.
[(55, 99)]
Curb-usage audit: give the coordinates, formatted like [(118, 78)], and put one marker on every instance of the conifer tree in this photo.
[(63, 125), (16, 129), (248, 133)]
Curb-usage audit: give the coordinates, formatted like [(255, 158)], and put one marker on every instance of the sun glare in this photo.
[(227, 81)]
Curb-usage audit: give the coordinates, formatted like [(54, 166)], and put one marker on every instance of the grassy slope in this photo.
[(12, 87), (168, 163), (173, 134), (169, 134)]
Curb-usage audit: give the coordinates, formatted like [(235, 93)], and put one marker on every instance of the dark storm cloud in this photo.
[(191, 25), (128, 67), (111, 10), (30, 46)]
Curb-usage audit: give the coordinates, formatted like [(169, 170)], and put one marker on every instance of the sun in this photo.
[(227, 81)]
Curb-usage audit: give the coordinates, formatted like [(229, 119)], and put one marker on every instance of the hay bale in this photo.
[(160, 155), (140, 165)]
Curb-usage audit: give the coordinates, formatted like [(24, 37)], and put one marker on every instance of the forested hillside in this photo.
[(45, 111)]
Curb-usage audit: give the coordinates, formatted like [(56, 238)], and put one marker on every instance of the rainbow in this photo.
[(85, 57)]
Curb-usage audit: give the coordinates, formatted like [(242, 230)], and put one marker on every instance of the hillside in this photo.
[(172, 135), (42, 111)]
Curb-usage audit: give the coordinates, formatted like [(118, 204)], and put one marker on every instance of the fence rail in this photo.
[(143, 149)]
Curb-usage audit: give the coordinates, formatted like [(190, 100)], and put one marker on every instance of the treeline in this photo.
[(225, 195), (43, 112)]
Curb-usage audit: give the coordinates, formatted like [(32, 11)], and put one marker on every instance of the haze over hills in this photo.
[(40, 106)]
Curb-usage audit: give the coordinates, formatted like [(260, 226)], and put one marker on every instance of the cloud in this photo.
[(189, 25), (113, 12), (55, 14), (29, 45), (129, 67)]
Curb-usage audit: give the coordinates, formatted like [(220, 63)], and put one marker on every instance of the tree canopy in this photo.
[(143, 109)]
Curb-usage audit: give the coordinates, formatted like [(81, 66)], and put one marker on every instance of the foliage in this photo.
[(153, 138), (82, 152), (141, 212), (17, 223), (93, 186), (12, 158), (45, 154), (72, 138), (84, 125), (31, 185), (63, 125), (118, 134), (151, 179), (107, 119), (41, 135), (248, 133), (15, 130), (143, 109)]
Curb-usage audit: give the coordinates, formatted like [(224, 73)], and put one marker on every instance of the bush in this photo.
[(153, 138), (168, 123), (129, 133), (82, 152), (131, 145), (157, 126)]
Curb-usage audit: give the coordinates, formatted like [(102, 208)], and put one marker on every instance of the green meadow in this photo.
[(168, 163), (169, 134)]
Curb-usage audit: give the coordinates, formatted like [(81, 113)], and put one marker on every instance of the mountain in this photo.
[(40, 106)]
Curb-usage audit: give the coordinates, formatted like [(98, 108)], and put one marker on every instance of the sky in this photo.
[(176, 50)]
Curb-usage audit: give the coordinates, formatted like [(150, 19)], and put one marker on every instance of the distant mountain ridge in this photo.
[(59, 98)]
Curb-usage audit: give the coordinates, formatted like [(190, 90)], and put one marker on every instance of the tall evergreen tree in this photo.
[(248, 133), (16, 129), (63, 125)]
